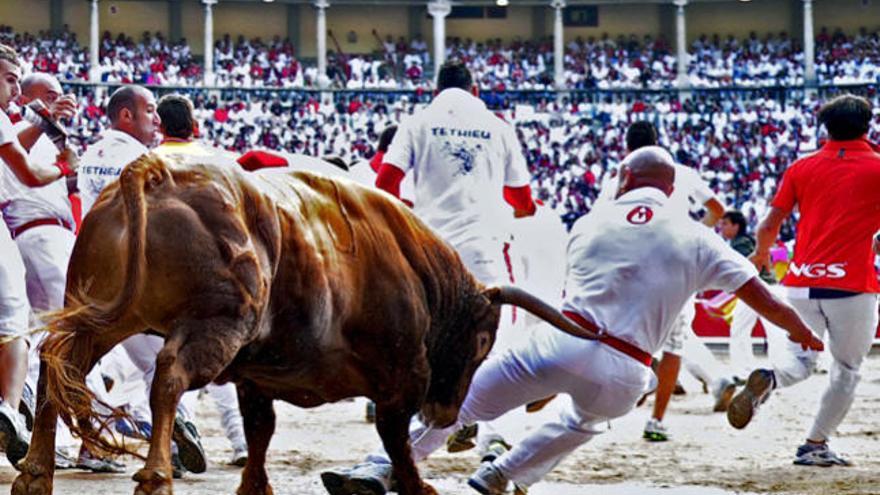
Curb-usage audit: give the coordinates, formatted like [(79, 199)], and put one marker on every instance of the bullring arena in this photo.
[(279, 202)]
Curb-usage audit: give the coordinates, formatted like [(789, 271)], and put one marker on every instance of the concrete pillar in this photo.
[(94, 43), (809, 45), (175, 20), (294, 33), (558, 44), (681, 43), (209, 41), (321, 13), (56, 16), (439, 9)]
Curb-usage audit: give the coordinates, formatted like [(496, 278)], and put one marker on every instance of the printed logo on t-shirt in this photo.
[(463, 155), (818, 270), (640, 215)]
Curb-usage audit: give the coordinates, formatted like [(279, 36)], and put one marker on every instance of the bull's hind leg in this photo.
[(195, 352), (392, 422), (259, 425), (38, 468)]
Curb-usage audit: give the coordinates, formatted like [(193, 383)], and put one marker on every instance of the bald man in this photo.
[(632, 266)]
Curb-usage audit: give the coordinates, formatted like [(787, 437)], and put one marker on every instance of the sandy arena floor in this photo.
[(706, 456)]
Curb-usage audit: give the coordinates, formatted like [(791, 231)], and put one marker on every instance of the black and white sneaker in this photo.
[(27, 406), (369, 478), (488, 480), (14, 437), (189, 446), (818, 454)]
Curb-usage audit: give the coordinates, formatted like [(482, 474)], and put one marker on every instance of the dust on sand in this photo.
[(705, 455)]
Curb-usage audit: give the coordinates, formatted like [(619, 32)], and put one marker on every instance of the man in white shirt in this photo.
[(630, 272), (134, 128), (464, 160), (690, 190), (14, 307)]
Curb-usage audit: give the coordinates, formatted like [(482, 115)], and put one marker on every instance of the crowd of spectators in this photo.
[(741, 144), (594, 63)]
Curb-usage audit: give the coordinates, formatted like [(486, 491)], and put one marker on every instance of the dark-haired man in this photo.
[(465, 162), (134, 128), (831, 280)]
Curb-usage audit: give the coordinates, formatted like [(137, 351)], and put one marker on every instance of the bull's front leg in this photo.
[(38, 468), (259, 426), (392, 422)]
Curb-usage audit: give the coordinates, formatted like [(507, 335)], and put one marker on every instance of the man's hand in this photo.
[(64, 107), (806, 339), (67, 156), (761, 260)]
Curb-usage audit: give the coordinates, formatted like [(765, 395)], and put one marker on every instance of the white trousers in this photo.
[(14, 307), (696, 357), (46, 252), (850, 323), (602, 384), (142, 350)]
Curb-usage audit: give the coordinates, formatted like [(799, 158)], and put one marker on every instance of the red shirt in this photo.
[(837, 190)]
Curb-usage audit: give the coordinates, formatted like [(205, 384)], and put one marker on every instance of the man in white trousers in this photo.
[(630, 271), (831, 280), (14, 307), (683, 345)]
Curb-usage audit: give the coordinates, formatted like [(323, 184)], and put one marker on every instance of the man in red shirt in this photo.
[(831, 280)]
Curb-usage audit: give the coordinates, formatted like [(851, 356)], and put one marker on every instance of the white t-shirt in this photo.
[(7, 135), (689, 189), (633, 266), (103, 162), (24, 204), (461, 155)]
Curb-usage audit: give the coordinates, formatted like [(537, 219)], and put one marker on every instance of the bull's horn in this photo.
[(530, 303)]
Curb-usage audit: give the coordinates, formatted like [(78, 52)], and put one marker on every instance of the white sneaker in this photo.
[(488, 480), (369, 478), (655, 431), (239, 456), (14, 437)]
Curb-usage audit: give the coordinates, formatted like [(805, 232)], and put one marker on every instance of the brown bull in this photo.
[(292, 285)]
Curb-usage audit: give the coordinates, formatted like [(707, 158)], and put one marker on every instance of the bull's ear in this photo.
[(493, 294)]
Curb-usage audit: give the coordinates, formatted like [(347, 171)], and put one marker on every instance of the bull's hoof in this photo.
[(428, 489), (152, 482), (34, 479), (251, 490)]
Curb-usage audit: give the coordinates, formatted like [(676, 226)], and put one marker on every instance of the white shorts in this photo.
[(14, 307), (485, 260)]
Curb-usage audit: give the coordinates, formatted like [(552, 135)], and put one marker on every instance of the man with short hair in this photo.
[(465, 162), (14, 307), (134, 128), (732, 228), (641, 250), (831, 280), (699, 360)]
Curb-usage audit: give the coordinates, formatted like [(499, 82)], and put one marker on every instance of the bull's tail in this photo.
[(75, 331), (534, 305), (68, 354)]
